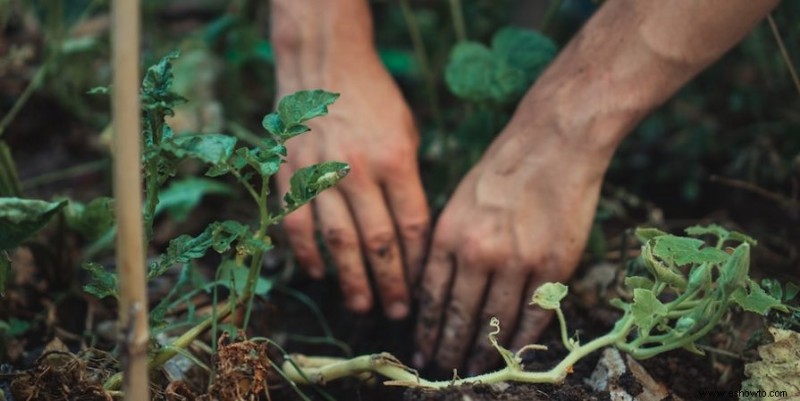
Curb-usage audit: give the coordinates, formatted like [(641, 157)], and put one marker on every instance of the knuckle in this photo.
[(340, 238), (380, 243), (415, 229), (295, 226)]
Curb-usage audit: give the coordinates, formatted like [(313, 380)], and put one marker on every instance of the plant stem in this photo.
[(555, 6), (256, 261), (784, 53), (424, 67), (165, 354), (562, 322), (127, 191), (316, 370), (35, 83), (457, 14)]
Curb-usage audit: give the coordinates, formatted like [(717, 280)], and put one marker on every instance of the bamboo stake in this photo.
[(128, 194)]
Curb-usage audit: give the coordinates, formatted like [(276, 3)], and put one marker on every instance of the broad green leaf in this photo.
[(92, 220), (234, 277), (14, 328), (647, 233), (526, 50), (549, 295), (756, 300), (210, 148), (102, 283), (223, 234), (265, 161), (182, 196), (647, 310), (22, 218), (297, 108), (682, 251), (734, 272), (476, 74), (306, 183), (638, 282)]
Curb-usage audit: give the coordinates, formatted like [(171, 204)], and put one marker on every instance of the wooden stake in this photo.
[(128, 194)]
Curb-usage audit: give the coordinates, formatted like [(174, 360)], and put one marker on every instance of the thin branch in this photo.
[(784, 52)]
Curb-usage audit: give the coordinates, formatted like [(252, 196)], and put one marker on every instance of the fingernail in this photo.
[(359, 303), (418, 360), (397, 310)]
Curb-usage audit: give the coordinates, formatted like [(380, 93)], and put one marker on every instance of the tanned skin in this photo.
[(522, 215)]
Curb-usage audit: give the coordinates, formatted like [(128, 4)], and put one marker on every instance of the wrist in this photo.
[(321, 29)]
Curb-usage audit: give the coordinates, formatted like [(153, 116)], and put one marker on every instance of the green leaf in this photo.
[(700, 276), (638, 282), (549, 295), (646, 234), (103, 283), (156, 93), (647, 310), (524, 49), (210, 148), (791, 291), (756, 299), (14, 328), (182, 196), (295, 109), (306, 183), (476, 74), (663, 273), (20, 219), (712, 229), (734, 272), (682, 251), (91, 220)]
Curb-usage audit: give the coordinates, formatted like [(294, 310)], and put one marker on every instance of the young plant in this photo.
[(686, 287)]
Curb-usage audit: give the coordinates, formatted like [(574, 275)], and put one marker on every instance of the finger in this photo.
[(438, 276), (380, 245), (341, 238), (299, 226), (503, 302), (411, 216), (533, 319), (460, 322)]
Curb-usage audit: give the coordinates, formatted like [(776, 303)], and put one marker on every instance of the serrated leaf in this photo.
[(21, 218), (646, 309), (306, 183), (638, 282), (756, 300), (265, 161), (549, 295), (182, 196), (645, 234), (210, 148), (92, 220), (218, 236), (297, 108), (682, 251), (156, 84), (102, 283), (524, 49), (476, 74)]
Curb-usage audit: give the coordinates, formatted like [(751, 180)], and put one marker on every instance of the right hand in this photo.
[(378, 215)]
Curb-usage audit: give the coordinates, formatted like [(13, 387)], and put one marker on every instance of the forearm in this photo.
[(311, 35), (630, 58)]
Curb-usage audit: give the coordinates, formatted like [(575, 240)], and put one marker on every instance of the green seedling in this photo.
[(687, 287)]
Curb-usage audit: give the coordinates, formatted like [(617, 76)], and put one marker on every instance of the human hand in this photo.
[(378, 215), (520, 218)]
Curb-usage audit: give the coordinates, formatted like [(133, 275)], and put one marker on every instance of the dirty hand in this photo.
[(378, 215)]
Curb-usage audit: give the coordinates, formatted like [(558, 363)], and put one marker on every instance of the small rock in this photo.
[(626, 380)]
